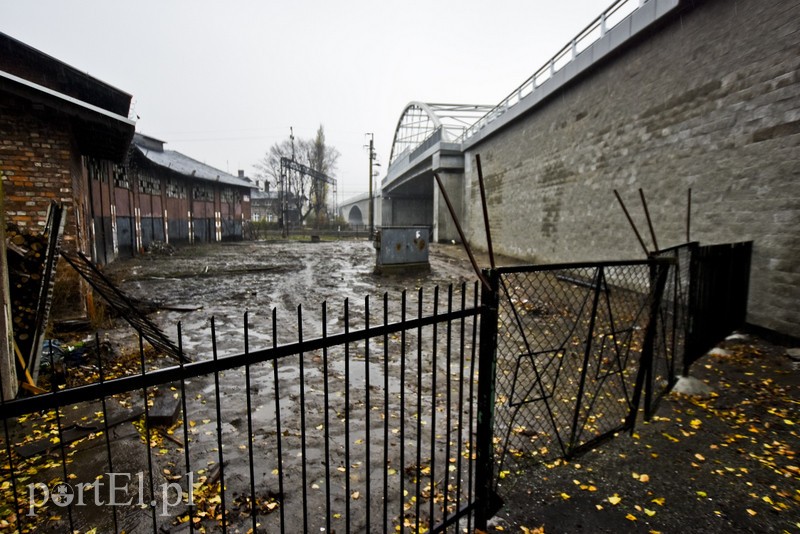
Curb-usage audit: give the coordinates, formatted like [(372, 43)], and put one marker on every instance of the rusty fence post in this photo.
[(486, 500)]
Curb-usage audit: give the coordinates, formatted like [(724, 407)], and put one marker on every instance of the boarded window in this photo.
[(176, 189), (149, 185), (229, 195), (121, 177), (94, 168), (203, 192)]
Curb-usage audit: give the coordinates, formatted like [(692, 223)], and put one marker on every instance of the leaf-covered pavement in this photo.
[(725, 463)]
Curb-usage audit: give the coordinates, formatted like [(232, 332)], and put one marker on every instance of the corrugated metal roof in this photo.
[(183, 164)]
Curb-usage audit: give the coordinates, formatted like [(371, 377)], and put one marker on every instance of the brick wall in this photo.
[(709, 101), (39, 164), (36, 163)]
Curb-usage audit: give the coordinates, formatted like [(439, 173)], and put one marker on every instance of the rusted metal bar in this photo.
[(649, 220), (689, 216), (485, 207), (630, 221), (475, 267)]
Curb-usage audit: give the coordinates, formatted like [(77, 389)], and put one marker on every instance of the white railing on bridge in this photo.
[(612, 16)]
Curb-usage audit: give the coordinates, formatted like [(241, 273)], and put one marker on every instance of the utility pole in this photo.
[(371, 157)]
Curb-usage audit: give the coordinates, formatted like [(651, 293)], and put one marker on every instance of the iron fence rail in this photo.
[(367, 429)]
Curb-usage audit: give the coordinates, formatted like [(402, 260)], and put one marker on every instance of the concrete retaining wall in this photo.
[(709, 100)]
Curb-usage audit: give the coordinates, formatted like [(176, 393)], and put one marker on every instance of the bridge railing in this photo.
[(612, 16)]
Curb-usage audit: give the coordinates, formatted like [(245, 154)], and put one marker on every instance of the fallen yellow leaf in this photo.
[(615, 499)]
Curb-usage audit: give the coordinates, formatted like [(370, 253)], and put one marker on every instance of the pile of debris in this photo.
[(25, 266), (31, 262)]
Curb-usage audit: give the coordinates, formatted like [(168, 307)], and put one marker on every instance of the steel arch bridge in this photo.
[(421, 121)]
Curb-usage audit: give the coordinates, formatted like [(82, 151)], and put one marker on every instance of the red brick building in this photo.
[(65, 137), (180, 200), (62, 132)]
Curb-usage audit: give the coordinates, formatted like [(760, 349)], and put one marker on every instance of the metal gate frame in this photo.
[(601, 288)]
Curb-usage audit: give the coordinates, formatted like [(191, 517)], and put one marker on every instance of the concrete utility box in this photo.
[(401, 248)]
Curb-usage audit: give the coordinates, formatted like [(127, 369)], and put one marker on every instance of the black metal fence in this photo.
[(710, 290), (718, 291), (576, 345), (368, 429), (396, 417)]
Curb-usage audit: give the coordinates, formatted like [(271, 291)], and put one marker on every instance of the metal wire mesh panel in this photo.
[(570, 342)]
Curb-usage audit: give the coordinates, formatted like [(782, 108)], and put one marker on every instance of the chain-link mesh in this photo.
[(670, 340), (570, 340)]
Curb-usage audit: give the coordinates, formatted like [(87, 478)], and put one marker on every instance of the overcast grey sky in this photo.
[(222, 81)]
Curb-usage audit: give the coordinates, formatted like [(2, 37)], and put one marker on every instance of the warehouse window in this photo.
[(202, 192), (95, 170), (229, 195), (149, 185), (121, 177), (176, 189)]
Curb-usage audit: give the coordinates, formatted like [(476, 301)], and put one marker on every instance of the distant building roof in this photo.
[(153, 149), (257, 194)]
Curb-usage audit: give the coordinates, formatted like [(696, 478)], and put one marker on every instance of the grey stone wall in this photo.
[(444, 229), (711, 101)]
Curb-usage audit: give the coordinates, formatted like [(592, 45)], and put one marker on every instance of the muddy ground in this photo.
[(724, 463)]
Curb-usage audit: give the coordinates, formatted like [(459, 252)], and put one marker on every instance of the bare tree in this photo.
[(322, 158), (304, 194), (268, 168)]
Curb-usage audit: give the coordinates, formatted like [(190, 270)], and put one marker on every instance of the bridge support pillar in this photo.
[(386, 212), (444, 229)]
